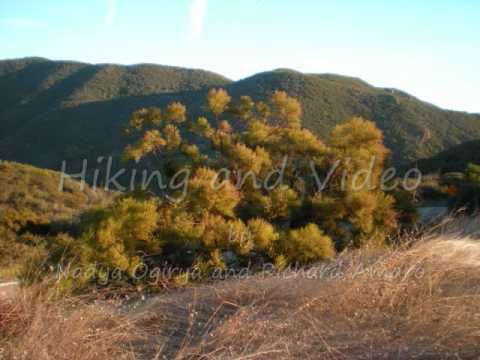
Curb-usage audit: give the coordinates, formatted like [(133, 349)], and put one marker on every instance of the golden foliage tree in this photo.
[(254, 184), (218, 100)]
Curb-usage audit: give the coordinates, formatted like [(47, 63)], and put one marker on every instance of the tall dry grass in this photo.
[(35, 326), (420, 301)]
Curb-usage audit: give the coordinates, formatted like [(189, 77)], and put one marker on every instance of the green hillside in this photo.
[(51, 111), (33, 87)]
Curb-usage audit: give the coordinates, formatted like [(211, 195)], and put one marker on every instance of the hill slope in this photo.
[(50, 111), (30, 204)]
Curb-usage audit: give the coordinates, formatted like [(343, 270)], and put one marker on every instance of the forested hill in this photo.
[(55, 110)]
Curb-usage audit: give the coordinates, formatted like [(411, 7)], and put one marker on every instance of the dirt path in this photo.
[(8, 289)]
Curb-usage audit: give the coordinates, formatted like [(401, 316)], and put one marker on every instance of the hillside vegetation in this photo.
[(51, 111), (31, 206)]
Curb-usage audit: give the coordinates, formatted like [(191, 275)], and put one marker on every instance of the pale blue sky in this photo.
[(429, 48)]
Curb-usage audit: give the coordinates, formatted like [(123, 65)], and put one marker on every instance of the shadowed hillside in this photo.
[(454, 159), (32, 88), (50, 111)]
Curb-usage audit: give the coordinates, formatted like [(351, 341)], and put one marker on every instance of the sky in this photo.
[(429, 48)]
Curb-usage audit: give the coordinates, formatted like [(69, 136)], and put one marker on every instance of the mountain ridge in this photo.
[(55, 110)]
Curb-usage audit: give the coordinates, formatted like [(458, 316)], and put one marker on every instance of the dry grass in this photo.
[(33, 326), (420, 301)]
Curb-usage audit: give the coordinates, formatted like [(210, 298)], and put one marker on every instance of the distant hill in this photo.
[(52, 110), (33, 87)]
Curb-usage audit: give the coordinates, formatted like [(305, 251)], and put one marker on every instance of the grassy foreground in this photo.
[(420, 301)]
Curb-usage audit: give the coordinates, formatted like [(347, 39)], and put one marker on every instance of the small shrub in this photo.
[(307, 244)]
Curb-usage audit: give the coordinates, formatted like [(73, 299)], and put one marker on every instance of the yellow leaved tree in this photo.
[(259, 184)]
